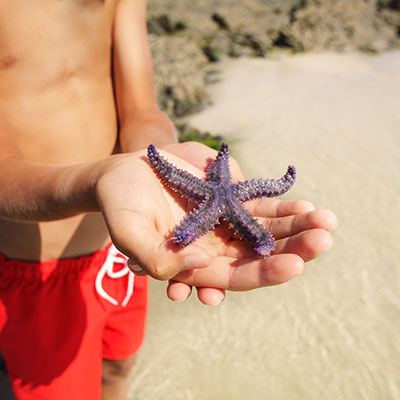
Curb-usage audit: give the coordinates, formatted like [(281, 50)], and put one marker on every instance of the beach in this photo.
[(332, 332)]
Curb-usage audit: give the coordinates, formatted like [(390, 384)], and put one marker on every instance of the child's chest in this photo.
[(54, 38), (42, 27)]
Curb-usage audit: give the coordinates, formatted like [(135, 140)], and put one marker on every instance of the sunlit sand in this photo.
[(333, 332)]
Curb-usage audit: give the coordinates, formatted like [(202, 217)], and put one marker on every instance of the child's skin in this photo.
[(69, 70)]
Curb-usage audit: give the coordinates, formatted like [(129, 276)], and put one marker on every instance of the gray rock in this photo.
[(179, 76), (256, 26), (339, 25), (186, 35), (391, 4)]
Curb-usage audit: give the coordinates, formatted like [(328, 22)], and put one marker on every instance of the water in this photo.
[(333, 332)]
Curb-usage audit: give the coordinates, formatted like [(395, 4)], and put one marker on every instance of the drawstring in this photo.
[(107, 269)]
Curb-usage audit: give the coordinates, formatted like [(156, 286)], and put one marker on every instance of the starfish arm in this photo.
[(249, 228), (197, 223), (217, 197), (177, 179), (218, 171), (259, 188)]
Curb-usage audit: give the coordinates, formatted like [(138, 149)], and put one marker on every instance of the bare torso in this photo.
[(57, 102)]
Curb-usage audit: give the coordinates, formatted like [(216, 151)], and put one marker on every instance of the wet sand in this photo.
[(333, 332)]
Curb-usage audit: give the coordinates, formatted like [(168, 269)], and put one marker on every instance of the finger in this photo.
[(308, 245), (162, 259), (289, 226), (178, 291), (285, 228), (278, 208), (210, 296), (233, 274), (136, 269)]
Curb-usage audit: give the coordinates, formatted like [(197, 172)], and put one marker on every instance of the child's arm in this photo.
[(140, 120), (140, 215), (34, 192)]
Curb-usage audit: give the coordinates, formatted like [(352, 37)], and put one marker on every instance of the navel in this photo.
[(7, 62)]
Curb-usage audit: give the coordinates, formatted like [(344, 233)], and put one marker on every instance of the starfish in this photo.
[(217, 197)]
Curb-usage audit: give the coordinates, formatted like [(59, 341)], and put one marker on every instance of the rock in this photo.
[(186, 35), (392, 4), (389, 12), (339, 25), (179, 77), (254, 27), (163, 24)]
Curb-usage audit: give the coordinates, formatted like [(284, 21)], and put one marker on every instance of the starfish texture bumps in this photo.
[(218, 198)]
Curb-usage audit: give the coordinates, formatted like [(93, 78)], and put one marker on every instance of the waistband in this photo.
[(41, 270)]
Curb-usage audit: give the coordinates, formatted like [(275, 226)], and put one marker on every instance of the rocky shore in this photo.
[(186, 36)]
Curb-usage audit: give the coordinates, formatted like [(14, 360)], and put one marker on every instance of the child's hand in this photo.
[(141, 213), (301, 233), (300, 230)]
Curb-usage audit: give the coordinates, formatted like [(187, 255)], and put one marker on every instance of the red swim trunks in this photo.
[(59, 319)]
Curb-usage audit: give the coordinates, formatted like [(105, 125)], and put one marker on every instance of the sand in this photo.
[(333, 332)]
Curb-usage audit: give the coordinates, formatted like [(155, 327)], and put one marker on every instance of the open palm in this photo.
[(141, 213)]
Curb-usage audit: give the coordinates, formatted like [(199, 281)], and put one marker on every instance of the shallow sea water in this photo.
[(333, 332)]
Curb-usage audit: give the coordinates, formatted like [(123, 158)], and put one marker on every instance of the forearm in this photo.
[(146, 127), (40, 192)]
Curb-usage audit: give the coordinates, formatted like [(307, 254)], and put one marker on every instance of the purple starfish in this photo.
[(218, 198)]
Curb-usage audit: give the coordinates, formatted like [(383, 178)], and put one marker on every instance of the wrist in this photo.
[(77, 189), (81, 189), (147, 127)]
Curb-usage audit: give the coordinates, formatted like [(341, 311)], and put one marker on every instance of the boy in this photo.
[(76, 89)]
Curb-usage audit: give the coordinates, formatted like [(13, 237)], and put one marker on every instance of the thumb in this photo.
[(168, 260), (156, 256)]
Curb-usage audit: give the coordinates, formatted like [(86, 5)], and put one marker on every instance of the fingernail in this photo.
[(217, 299), (195, 261), (134, 266)]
